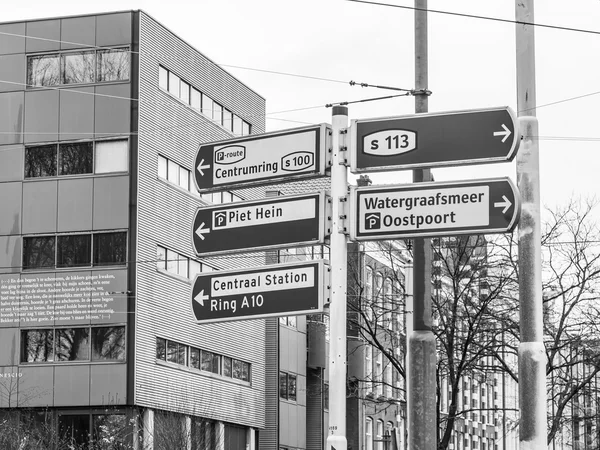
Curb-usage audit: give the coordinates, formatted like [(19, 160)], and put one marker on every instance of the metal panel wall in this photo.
[(165, 212)]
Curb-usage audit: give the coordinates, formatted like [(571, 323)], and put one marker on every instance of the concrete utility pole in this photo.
[(532, 357), (336, 436), (421, 341)]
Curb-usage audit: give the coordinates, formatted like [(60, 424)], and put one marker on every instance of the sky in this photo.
[(328, 43)]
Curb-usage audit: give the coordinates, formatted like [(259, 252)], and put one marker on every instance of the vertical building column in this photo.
[(148, 429), (250, 439), (220, 444), (187, 428)]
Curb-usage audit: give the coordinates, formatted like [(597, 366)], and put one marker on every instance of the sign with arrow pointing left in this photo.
[(277, 290), (487, 206), (276, 222), (433, 140)]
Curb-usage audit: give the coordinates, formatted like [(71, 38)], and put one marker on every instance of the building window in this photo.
[(76, 158), (368, 293), (108, 343), (173, 262), (287, 386), (74, 250), (112, 156), (368, 433), (38, 252), (78, 67), (74, 429), (176, 353), (210, 362), (241, 371), (289, 321), (110, 248), (73, 344), (113, 65), (43, 70), (379, 438), (326, 396), (369, 366), (184, 91), (379, 374), (37, 345)]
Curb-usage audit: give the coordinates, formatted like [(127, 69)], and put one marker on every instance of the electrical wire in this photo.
[(475, 16)]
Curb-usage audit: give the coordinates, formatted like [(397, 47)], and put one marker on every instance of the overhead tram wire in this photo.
[(476, 16)]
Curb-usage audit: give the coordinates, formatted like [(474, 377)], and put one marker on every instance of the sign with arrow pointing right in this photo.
[(434, 209), (433, 140)]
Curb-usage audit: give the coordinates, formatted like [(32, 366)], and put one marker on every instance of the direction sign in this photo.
[(263, 158), (433, 140), (278, 290), (434, 209), (275, 222)]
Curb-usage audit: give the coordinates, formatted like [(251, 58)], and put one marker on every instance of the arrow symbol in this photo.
[(201, 297), (201, 231), (506, 133), (506, 203), (205, 166)]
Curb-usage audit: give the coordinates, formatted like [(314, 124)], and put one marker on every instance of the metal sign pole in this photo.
[(336, 436)]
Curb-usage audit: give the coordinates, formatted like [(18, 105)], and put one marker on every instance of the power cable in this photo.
[(475, 16)]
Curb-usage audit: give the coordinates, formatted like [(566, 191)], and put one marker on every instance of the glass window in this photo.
[(182, 266), (227, 366), (237, 125), (74, 430), (37, 345), (111, 156), (194, 358), (78, 67), (113, 65), (207, 106), (379, 431), (368, 293), (241, 370), (108, 344), (368, 433), (185, 92), (173, 172), (75, 158), (40, 161), (195, 268), (161, 257), (217, 113), (162, 167), (227, 119), (283, 385), (72, 344), (174, 84), (196, 99), (368, 362), (172, 258), (43, 70), (74, 250), (325, 396), (110, 248), (163, 78), (245, 128), (38, 252), (161, 349), (291, 387), (210, 362), (184, 178), (204, 433)]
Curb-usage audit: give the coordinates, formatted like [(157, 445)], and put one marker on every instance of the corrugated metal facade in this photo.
[(165, 213)]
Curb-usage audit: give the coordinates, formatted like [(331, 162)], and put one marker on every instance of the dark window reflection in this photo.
[(113, 65), (73, 344), (78, 67), (241, 370), (226, 366), (161, 349), (76, 158), (176, 352), (74, 250), (74, 430), (210, 362), (195, 358), (110, 248), (37, 345), (43, 70), (38, 252), (283, 385), (204, 433), (40, 161), (108, 343)]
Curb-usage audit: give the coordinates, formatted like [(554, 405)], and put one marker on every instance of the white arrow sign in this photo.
[(201, 231), (202, 166), (506, 133), (506, 203), (201, 297)]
